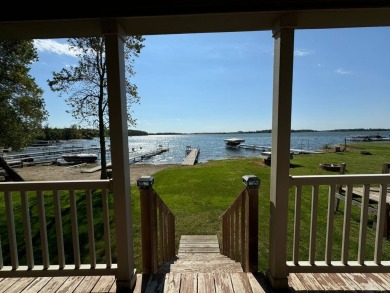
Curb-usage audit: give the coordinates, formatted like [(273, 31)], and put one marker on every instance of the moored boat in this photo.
[(233, 142), (80, 158)]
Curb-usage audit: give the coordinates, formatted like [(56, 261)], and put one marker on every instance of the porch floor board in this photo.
[(199, 267), (203, 282)]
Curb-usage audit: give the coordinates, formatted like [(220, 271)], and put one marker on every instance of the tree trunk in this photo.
[(103, 159), (11, 173)]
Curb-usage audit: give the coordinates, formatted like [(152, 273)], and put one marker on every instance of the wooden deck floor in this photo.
[(202, 282), (199, 267)]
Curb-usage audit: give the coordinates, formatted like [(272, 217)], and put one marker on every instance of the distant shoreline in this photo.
[(268, 131)]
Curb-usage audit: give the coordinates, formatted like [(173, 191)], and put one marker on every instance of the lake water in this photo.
[(212, 146)]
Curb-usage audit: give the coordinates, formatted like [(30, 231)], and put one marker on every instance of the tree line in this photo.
[(75, 132)]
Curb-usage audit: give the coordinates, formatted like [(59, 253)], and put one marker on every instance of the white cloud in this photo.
[(301, 53), (52, 46), (342, 71)]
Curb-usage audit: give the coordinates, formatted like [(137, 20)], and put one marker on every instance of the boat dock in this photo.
[(255, 147), (48, 155), (191, 158), (268, 149), (132, 159), (147, 155)]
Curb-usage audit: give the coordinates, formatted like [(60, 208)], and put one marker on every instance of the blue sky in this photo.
[(222, 82)]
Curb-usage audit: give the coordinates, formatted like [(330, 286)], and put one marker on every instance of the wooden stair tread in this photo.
[(202, 282), (200, 254)]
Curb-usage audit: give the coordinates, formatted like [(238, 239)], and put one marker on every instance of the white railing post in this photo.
[(116, 81), (281, 128)]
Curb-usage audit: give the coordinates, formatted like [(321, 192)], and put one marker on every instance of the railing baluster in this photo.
[(160, 229), (382, 217), (346, 225), (228, 234), (232, 234), (107, 236), (330, 223), (27, 230), (363, 225), (91, 230), (297, 223), (166, 253), (43, 229), (313, 226), (225, 232), (237, 231), (13, 246), (1, 255), (75, 229), (59, 233), (172, 247)]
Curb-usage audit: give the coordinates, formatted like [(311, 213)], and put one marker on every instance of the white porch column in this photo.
[(280, 159), (119, 154)]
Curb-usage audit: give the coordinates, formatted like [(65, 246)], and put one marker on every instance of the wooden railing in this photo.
[(158, 228), (44, 226), (336, 250), (240, 226)]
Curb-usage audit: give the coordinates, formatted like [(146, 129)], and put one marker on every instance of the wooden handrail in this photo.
[(158, 228), (240, 226), (358, 192), (41, 205)]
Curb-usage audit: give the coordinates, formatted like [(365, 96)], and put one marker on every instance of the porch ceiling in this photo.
[(168, 17)]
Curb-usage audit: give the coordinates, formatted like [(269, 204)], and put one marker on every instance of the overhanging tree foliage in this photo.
[(22, 108), (85, 85)]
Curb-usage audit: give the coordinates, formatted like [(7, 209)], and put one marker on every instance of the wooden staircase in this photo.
[(201, 254), (200, 267)]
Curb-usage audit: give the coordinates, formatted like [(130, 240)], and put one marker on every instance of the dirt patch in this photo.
[(56, 173)]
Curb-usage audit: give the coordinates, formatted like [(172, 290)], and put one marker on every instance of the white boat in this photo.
[(233, 142), (80, 158)]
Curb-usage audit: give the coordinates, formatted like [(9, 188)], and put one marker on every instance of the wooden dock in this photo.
[(49, 155), (147, 155), (268, 149), (192, 154), (132, 159)]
